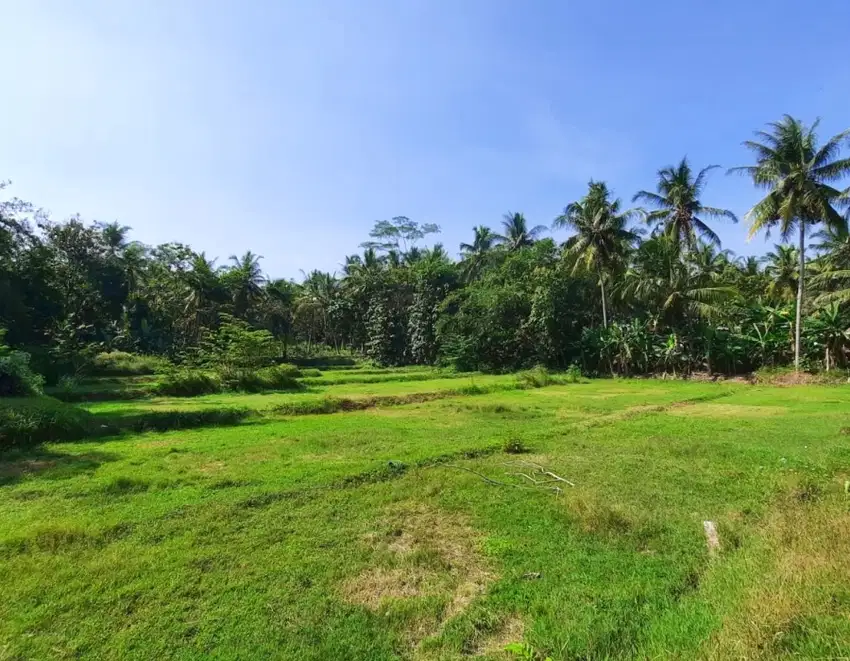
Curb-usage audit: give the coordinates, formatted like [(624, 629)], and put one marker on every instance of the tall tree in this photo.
[(782, 267), (114, 236), (476, 254), (205, 293), (678, 209), (516, 233), (799, 175), (245, 279), (398, 235), (602, 237)]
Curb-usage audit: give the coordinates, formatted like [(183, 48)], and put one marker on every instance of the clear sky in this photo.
[(290, 126)]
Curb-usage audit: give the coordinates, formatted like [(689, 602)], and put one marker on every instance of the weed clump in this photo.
[(122, 363), (536, 377), (515, 446), (280, 377), (188, 383)]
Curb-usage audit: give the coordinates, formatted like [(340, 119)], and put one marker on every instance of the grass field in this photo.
[(380, 533)]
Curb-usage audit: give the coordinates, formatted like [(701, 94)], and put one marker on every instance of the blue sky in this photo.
[(290, 126)]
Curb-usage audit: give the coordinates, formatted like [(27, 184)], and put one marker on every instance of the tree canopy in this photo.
[(610, 296)]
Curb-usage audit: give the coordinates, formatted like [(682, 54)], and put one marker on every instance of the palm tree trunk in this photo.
[(604, 304), (798, 330)]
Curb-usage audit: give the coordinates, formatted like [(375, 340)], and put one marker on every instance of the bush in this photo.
[(121, 363), (294, 371), (188, 383), (25, 422), (237, 345), (16, 377), (267, 378), (536, 377), (325, 361), (167, 420), (515, 446), (573, 374), (29, 421)]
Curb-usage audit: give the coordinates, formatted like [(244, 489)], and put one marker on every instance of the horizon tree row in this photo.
[(632, 290)]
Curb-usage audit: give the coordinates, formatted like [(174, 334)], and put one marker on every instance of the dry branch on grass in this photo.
[(537, 484)]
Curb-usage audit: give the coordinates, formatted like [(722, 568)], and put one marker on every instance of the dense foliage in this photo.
[(631, 291)]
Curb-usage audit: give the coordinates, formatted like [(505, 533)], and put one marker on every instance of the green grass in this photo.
[(272, 400), (364, 535), (120, 388)]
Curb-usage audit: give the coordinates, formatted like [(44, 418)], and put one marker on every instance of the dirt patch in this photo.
[(25, 467), (708, 410), (788, 377), (511, 631), (211, 467), (422, 552)]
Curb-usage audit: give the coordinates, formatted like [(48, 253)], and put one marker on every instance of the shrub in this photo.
[(68, 384), (294, 371), (515, 446), (536, 377), (237, 345), (17, 379), (325, 361), (188, 383), (121, 363), (573, 374), (166, 420), (267, 378), (28, 421)]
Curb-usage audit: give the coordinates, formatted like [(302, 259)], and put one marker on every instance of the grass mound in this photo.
[(25, 422), (121, 363), (188, 383), (32, 420)]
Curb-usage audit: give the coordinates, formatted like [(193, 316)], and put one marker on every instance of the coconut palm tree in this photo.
[(204, 292), (312, 310), (674, 290), (277, 309), (516, 233), (782, 268), (678, 209), (475, 255), (799, 175), (602, 238), (833, 281), (246, 282), (114, 236)]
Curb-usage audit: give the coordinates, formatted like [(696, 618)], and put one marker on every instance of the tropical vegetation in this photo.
[(629, 291)]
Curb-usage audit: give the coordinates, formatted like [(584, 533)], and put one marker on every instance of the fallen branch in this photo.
[(542, 470), (490, 480)]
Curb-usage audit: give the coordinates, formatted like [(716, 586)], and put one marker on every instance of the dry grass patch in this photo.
[(708, 410), (422, 552), (493, 645), (211, 467), (804, 593)]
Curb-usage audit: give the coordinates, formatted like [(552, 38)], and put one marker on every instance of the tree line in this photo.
[(633, 290)]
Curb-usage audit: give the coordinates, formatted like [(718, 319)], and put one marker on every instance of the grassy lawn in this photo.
[(373, 534)]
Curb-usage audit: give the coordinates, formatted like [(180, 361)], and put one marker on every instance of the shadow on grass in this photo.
[(17, 464), (29, 422)]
